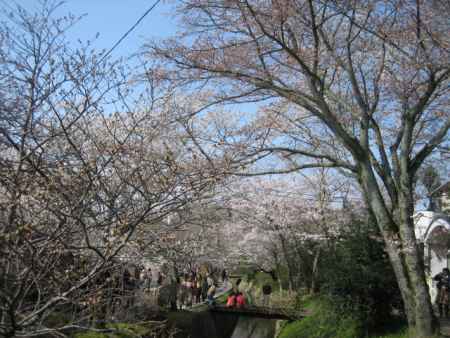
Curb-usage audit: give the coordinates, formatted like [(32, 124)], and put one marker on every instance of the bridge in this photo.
[(261, 312)]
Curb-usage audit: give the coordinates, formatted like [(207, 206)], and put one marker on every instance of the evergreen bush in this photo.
[(357, 275)]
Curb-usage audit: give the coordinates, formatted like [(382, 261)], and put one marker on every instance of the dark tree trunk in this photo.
[(403, 253)]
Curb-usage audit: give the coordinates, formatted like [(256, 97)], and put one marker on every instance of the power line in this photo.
[(124, 36)]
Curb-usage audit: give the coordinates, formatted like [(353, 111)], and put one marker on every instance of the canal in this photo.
[(223, 325), (247, 327)]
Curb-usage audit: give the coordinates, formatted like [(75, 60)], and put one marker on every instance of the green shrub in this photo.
[(358, 276), (127, 331), (324, 322)]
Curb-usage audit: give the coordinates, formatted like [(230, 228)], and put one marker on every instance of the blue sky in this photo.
[(112, 18)]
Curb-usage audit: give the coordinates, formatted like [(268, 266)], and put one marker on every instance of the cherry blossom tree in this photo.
[(360, 86), (84, 169), (276, 224)]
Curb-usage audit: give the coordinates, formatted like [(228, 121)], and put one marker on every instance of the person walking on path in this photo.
[(443, 285), (205, 287), (198, 289), (173, 292), (142, 278), (236, 286), (240, 300), (266, 291), (194, 290), (211, 293), (224, 275), (231, 300), (210, 280), (183, 294), (188, 285), (128, 288), (159, 280), (148, 280)]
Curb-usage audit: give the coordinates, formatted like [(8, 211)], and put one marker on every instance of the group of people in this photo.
[(196, 288), (146, 278), (236, 300)]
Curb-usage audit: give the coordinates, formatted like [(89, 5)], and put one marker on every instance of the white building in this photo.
[(432, 230)]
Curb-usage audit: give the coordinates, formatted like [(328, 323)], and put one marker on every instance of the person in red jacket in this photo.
[(231, 300), (240, 300)]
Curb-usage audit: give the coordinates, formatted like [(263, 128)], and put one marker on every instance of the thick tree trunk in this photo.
[(424, 317), (396, 260), (403, 253)]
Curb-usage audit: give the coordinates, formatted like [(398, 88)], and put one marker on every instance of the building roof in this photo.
[(426, 221), (441, 188)]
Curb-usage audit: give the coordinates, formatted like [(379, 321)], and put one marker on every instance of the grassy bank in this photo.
[(123, 330), (326, 322)]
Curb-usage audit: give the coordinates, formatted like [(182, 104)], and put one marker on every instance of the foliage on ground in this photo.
[(324, 322), (357, 275), (124, 330)]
